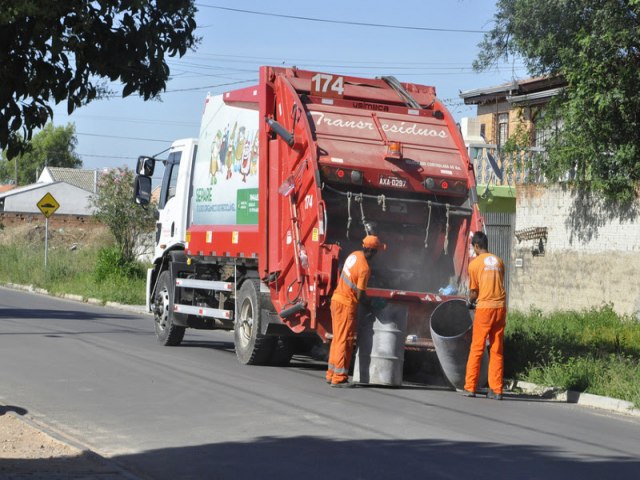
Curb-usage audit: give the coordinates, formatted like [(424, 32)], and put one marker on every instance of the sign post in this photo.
[(47, 205)]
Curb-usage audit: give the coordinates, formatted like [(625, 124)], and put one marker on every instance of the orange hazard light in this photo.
[(394, 150)]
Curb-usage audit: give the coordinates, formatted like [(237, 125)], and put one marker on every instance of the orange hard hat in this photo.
[(373, 242)]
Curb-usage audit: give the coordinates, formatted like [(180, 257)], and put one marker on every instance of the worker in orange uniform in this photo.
[(344, 307), (487, 294)]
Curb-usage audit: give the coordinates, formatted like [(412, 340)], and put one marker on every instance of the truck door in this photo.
[(174, 197)]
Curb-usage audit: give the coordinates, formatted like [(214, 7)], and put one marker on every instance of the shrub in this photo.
[(595, 350), (115, 208), (110, 263)]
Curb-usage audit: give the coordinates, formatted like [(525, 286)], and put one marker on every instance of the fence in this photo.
[(515, 168)]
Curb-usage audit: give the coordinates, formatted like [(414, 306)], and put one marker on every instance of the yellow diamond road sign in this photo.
[(48, 205)]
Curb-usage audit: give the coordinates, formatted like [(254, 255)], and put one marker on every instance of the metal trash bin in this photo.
[(451, 331), (380, 349)]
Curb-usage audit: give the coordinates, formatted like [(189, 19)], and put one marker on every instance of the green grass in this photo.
[(67, 271), (594, 351)]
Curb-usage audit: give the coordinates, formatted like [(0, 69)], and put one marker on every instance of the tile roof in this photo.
[(84, 179)]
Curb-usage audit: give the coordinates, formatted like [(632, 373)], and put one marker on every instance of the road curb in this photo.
[(579, 398), (140, 309)]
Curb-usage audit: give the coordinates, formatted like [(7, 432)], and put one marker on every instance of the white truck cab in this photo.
[(173, 203)]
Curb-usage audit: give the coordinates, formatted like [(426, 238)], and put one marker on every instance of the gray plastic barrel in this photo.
[(451, 331), (381, 339)]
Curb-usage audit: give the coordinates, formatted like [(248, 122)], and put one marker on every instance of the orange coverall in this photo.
[(344, 309), (486, 275)]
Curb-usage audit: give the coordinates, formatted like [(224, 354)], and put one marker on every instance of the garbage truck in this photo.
[(257, 215)]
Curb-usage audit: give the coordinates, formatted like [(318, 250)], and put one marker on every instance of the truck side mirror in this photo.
[(145, 166), (142, 190)]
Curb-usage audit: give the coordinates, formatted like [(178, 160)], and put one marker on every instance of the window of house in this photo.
[(503, 128), (543, 130)]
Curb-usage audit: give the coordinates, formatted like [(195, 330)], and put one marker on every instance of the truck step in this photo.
[(204, 284), (203, 311)]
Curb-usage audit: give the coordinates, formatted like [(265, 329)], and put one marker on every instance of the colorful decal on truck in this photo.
[(226, 170)]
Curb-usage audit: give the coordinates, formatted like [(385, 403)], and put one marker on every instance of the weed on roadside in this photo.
[(594, 351)]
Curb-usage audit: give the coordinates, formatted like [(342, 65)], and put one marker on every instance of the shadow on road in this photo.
[(63, 314), (322, 458), (313, 458), (12, 408)]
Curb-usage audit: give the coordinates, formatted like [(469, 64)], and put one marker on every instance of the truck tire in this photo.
[(252, 347), (167, 333)]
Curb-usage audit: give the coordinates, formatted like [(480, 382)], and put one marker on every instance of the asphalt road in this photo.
[(98, 375)]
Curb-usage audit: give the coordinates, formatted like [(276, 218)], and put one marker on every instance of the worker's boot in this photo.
[(344, 384), (494, 396)]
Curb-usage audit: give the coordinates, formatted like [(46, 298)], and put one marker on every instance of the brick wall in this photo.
[(10, 219), (592, 253)]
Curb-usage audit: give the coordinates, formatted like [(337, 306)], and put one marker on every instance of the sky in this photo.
[(235, 42)]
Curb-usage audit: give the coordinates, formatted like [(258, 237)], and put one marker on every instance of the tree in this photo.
[(115, 208), (595, 46), (52, 146), (56, 51)]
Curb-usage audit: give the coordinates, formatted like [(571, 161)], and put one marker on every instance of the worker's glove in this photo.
[(471, 304), (374, 305), (377, 303)]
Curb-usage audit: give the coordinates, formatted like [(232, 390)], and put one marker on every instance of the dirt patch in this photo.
[(21, 440), (28, 452), (71, 237)]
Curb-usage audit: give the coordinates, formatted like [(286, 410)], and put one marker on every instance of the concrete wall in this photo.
[(592, 253), (72, 200)]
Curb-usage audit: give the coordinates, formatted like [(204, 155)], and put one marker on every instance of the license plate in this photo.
[(393, 182)]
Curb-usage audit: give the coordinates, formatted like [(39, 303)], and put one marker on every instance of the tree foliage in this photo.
[(115, 208), (66, 51), (51, 146), (595, 46)]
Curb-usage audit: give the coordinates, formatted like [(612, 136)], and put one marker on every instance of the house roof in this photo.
[(84, 179), (519, 91), (6, 188), (19, 190)]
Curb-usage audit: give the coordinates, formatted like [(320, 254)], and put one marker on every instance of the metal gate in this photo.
[(500, 231)]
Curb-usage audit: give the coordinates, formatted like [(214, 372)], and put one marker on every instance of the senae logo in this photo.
[(203, 194), (491, 261)]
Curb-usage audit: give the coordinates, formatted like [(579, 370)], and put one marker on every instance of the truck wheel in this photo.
[(167, 333), (252, 347)]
